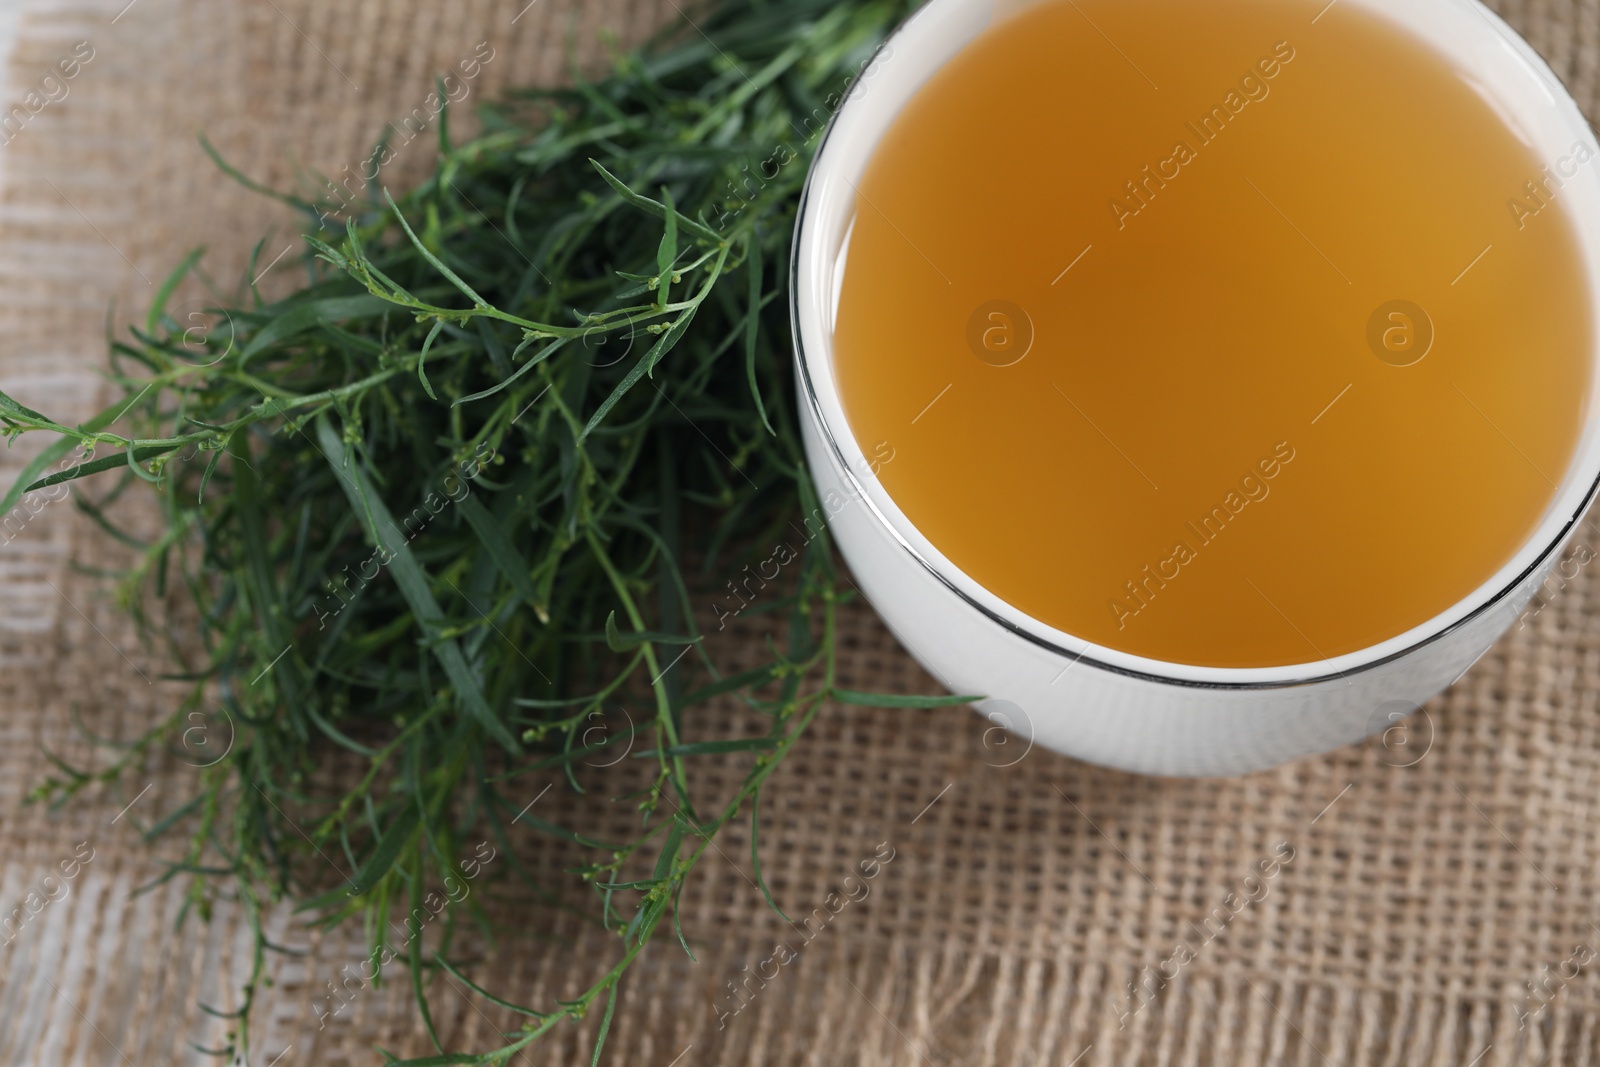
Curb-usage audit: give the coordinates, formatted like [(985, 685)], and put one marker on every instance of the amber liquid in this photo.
[(1305, 382)]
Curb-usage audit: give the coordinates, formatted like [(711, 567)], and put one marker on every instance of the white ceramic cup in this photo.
[(1084, 699)]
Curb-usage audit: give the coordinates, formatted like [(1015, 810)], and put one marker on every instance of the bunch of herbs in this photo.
[(445, 505)]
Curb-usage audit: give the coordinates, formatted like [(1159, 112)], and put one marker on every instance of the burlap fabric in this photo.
[(1432, 902)]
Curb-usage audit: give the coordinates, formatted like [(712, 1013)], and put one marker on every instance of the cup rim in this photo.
[(1549, 535)]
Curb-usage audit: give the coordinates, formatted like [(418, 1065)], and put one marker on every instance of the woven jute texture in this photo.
[(1427, 903)]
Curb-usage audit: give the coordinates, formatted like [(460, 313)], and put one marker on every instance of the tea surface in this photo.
[(1213, 333)]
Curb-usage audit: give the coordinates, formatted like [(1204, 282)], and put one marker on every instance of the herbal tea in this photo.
[(1215, 333)]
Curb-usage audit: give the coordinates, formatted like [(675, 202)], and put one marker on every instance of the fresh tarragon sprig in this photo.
[(442, 510)]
